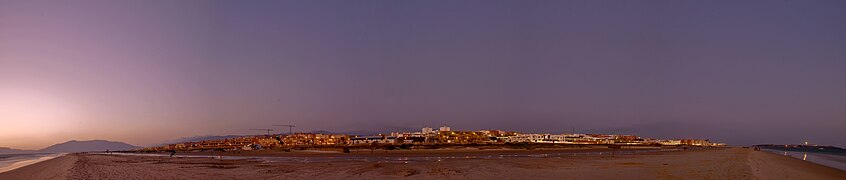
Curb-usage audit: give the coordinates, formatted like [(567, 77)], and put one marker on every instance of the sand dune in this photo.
[(726, 163)]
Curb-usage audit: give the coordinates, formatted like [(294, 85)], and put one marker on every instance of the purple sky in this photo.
[(740, 72)]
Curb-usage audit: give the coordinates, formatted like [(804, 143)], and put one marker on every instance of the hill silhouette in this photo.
[(86, 146)]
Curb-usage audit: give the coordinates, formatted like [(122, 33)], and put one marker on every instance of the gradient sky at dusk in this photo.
[(740, 72)]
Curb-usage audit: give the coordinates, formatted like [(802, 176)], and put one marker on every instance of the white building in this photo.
[(534, 138), (374, 139), (443, 129), (670, 142), (428, 130), (558, 138)]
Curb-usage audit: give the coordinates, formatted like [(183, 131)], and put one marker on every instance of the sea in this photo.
[(825, 159), (10, 162)]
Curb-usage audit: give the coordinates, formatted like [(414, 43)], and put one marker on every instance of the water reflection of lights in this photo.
[(804, 155)]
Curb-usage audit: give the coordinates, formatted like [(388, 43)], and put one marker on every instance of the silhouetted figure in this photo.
[(172, 152)]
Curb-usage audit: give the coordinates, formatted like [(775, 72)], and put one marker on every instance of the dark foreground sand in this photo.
[(724, 163)]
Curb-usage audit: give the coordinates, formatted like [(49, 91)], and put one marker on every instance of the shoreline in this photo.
[(785, 167), (716, 163), (55, 168), (825, 159), (29, 161)]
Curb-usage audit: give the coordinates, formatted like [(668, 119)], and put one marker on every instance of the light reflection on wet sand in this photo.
[(830, 160)]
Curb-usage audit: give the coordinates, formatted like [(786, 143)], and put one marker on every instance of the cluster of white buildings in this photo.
[(570, 138), (445, 135), (427, 135), (602, 139)]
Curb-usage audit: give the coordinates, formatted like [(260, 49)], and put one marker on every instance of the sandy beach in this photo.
[(719, 163)]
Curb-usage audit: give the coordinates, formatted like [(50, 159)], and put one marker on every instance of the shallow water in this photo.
[(830, 160), (410, 159), (10, 162)]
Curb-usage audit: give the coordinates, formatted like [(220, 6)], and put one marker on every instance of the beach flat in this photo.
[(721, 163)]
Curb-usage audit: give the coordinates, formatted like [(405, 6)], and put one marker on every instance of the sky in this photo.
[(143, 72)]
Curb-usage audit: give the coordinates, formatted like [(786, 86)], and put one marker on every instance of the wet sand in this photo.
[(721, 163), (56, 168), (20, 160)]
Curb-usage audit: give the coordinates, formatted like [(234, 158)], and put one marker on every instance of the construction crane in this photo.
[(290, 128), (268, 130)]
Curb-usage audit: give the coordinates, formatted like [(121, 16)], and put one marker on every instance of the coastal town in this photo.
[(443, 135)]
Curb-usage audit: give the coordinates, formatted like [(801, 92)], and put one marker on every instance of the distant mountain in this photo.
[(363, 133), (322, 132), (5, 150), (86, 146), (386, 130), (198, 138), (375, 132), (354, 133)]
